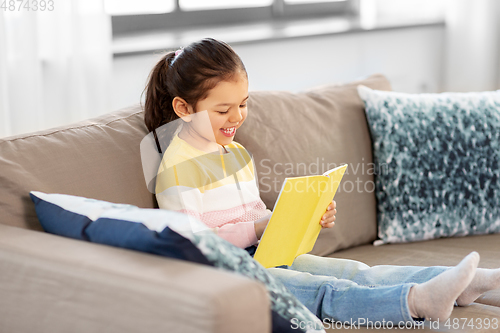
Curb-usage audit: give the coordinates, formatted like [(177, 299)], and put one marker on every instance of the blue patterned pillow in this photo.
[(436, 163), (168, 234)]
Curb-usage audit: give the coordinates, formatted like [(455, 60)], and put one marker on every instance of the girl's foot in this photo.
[(435, 298), (484, 280)]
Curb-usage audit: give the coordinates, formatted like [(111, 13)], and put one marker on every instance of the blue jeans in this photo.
[(347, 290)]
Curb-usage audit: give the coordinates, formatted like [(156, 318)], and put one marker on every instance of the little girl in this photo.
[(201, 93)]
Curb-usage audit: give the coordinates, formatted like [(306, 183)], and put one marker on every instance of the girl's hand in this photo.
[(261, 224), (327, 221)]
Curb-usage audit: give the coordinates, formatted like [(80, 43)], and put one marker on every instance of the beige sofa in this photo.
[(54, 284)]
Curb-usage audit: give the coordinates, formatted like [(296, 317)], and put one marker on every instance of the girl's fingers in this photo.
[(329, 214), (327, 220), (327, 225), (332, 206)]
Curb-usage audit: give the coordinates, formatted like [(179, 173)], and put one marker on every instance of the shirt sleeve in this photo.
[(241, 234), (190, 202)]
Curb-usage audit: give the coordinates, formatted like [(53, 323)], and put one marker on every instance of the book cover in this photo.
[(295, 223)]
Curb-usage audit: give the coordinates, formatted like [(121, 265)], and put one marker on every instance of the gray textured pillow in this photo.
[(437, 162)]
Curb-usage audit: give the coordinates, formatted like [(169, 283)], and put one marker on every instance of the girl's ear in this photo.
[(182, 109)]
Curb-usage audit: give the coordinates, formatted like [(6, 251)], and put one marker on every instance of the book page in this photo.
[(289, 222), (329, 185)]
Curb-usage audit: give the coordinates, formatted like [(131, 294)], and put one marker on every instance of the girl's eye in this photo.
[(243, 106), (222, 112)]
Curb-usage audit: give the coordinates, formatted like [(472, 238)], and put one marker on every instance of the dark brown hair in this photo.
[(189, 75)]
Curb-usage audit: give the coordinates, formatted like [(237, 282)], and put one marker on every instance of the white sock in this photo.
[(484, 280), (435, 298)]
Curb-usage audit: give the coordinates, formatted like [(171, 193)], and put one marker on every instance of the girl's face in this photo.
[(226, 107)]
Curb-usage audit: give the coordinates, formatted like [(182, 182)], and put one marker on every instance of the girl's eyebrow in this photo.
[(227, 104)]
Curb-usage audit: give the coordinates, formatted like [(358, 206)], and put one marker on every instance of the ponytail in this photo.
[(158, 108)]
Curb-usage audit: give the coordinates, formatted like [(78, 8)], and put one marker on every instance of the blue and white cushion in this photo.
[(169, 234)]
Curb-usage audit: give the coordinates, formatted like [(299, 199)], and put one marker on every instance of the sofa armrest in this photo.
[(54, 284)]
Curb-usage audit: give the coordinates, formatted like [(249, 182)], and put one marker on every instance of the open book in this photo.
[(295, 223)]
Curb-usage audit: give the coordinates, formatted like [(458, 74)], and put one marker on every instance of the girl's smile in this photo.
[(228, 132)]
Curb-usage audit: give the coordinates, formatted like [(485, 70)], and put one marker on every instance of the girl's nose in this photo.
[(237, 117)]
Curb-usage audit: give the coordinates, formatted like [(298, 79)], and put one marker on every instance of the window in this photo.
[(221, 4), (306, 1), (147, 15), (128, 7)]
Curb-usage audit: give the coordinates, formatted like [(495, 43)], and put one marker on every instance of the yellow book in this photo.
[(295, 223)]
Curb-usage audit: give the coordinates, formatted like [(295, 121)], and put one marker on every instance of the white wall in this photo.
[(411, 58), (472, 39), (473, 45)]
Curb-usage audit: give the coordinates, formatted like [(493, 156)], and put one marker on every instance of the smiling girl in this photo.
[(203, 90)]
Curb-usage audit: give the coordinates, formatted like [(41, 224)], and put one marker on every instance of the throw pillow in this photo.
[(169, 234), (436, 162)]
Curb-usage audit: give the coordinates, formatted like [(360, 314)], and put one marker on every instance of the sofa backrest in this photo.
[(289, 134), (298, 134), (97, 158)]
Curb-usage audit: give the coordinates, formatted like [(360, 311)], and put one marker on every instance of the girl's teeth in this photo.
[(228, 131)]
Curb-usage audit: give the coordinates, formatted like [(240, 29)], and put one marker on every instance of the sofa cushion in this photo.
[(96, 158), (437, 158), (168, 234), (50, 284), (298, 134)]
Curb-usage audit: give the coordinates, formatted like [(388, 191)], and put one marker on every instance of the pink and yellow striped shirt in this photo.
[(221, 190)]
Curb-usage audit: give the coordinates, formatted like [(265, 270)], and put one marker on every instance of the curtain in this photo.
[(473, 45), (55, 64)]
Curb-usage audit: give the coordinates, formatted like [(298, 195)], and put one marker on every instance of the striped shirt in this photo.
[(219, 189)]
